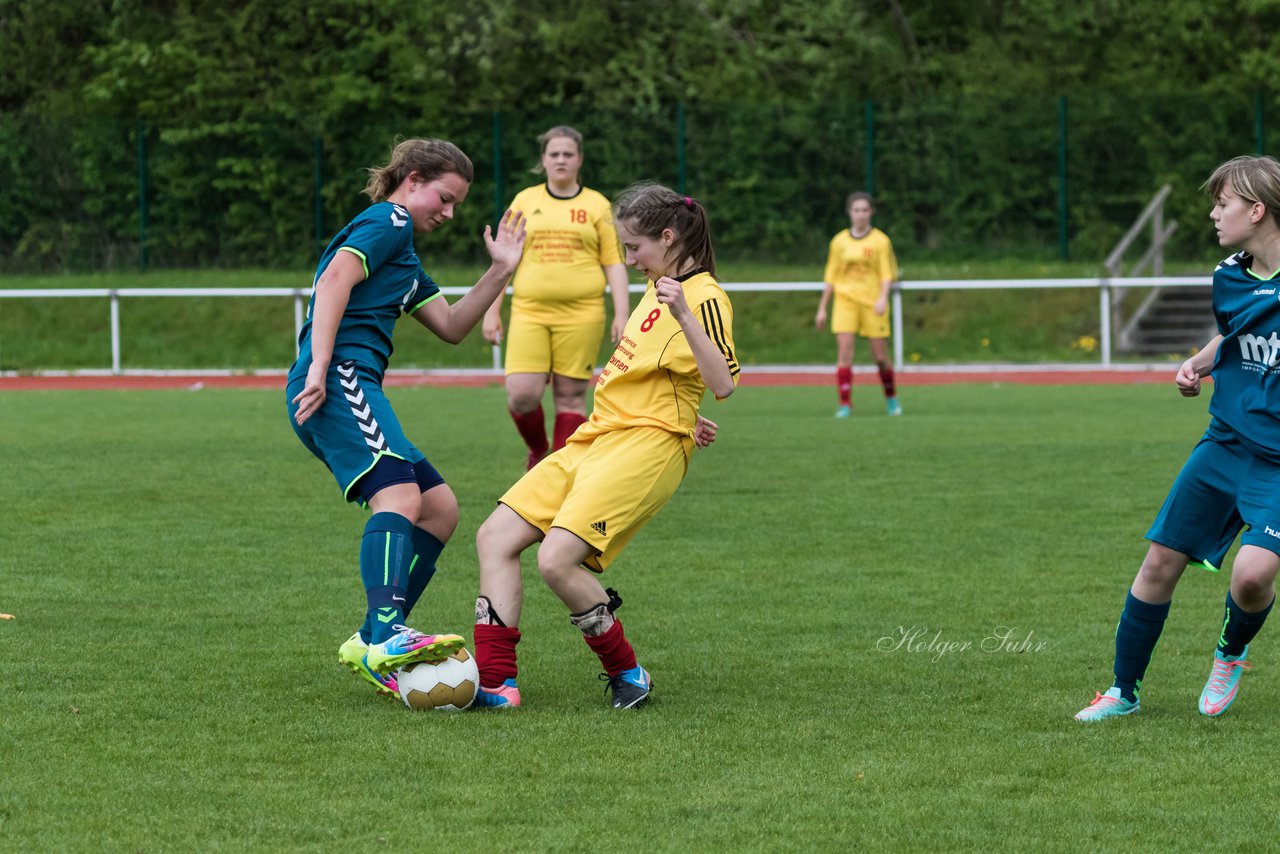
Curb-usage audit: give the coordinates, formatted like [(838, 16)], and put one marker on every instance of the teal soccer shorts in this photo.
[(1222, 488), (357, 435)]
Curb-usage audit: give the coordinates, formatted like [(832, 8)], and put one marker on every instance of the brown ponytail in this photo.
[(648, 208), (430, 158)]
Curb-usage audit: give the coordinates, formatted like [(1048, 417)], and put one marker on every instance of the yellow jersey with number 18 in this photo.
[(560, 279), (652, 378), (857, 267)]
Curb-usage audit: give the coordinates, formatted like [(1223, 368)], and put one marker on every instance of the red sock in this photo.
[(566, 423), (616, 654), (496, 653), (533, 429), (887, 380), (844, 382)]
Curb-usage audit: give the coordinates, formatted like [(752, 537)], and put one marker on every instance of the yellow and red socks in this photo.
[(495, 648), (844, 385), (888, 380), (1136, 635), (533, 429), (566, 423), (1239, 627), (386, 553)]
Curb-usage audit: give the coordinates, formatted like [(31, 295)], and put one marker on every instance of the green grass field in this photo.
[(182, 572)]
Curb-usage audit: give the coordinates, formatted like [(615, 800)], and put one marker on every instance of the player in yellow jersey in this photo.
[(557, 313), (588, 500), (861, 269)]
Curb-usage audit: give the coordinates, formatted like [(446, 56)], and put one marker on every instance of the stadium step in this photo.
[(1177, 322)]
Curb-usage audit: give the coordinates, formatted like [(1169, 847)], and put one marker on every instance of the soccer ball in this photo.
[(449, 686)]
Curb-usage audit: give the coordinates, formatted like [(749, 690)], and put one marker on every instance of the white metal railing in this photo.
[(301, 296), (1153, 215)]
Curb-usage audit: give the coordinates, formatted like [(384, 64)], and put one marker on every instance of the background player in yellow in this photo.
[(586, 501), (861, 269), (557, 309)]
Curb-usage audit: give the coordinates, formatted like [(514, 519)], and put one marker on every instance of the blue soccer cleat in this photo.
[(505, 696), (1108, 705), (844, 411), (630, 688), (892, 406), (1224, 682)]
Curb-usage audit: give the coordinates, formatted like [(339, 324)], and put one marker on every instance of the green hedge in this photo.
[(955, 176)]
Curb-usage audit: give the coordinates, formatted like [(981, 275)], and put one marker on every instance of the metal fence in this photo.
[(960, 176), (1106, 287)]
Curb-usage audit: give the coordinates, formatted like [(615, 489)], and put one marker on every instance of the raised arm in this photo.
[(711, 362), (452, 322)]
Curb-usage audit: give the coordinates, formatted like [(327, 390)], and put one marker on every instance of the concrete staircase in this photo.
[(1170, 320)]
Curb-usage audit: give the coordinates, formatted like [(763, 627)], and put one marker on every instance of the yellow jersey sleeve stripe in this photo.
[(713, 323), (364, 262)]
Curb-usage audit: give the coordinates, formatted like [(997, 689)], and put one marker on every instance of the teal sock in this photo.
[(426, 550), (386, 553), (1239, 627), (1140, 626)]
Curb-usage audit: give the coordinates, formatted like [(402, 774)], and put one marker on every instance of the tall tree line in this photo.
[(236, 85)]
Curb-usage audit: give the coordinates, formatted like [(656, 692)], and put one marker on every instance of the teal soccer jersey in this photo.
[(394, 284), (1246, 373)]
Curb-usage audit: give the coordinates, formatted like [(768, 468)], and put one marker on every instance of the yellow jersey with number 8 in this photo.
[(652, 378)]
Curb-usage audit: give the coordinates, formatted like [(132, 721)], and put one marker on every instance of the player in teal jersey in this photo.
[(368, 276), (1231, 482)]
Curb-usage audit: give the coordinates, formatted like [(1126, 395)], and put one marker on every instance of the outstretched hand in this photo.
[(506, 247)]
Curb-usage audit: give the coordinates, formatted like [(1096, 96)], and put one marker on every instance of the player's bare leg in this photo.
[(499, 542), (592, 610)]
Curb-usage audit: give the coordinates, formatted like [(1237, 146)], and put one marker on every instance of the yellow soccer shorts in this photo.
[(850, 316), (603, 490), (570, 350)]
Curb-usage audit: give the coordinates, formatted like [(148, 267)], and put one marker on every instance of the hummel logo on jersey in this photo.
[(1264, 292), (399, 216), (598, 527), (1270, 532)]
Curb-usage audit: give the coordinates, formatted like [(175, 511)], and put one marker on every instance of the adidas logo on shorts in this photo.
[(598, 527)]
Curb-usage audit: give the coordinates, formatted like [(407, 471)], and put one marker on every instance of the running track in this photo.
[(760, 376)]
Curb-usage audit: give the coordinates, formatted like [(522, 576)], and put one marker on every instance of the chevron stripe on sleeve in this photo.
[(713, 322)]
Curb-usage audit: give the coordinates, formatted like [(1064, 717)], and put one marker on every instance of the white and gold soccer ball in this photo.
[(449, 686)]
